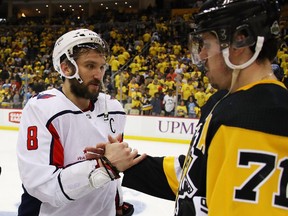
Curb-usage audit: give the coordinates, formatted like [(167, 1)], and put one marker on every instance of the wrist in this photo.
[(110, 167)]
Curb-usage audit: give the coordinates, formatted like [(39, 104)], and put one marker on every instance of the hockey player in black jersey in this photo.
[(237, 161)]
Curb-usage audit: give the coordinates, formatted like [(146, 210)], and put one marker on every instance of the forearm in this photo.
[(149, 177), (60, 187)]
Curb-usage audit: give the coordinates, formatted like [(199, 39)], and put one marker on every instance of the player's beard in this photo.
[(82, 90)]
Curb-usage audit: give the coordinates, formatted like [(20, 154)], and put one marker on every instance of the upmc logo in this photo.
[(15, 117), (176, 127)]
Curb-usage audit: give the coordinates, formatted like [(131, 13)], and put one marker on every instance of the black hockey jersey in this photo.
[(237, 161)]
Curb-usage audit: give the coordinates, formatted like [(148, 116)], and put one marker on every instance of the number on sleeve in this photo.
[(249, 191), (281, 199), (32, 141)]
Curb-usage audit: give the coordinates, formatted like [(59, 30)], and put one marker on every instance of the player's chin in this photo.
[(94, 88), (92, 95)]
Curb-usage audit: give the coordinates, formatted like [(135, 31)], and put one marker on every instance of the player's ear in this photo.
[(66, 69), (239, 46)]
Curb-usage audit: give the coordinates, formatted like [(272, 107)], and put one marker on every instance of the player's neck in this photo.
[(254, 73)]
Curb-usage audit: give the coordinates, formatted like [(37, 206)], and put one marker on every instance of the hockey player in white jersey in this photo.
[(57, 126)]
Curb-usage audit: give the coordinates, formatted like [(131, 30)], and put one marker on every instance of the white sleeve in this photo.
[(41, 179)]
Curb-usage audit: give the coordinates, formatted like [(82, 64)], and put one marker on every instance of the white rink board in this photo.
[(145, 205), (152, 128)]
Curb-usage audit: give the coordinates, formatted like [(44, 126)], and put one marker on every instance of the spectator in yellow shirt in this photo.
[(181, 109), (135, 66), (132, 85), (187, 90), (153, 87), (200, 97), (115, 64), (136, 103)]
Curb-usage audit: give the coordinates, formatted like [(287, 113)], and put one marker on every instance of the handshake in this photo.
[(115, 155)]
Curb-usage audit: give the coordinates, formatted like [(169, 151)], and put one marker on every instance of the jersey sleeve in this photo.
[(41, 176), (251, 173), (156, 176)]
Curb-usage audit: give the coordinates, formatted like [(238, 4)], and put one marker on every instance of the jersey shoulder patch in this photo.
[(45, 96)]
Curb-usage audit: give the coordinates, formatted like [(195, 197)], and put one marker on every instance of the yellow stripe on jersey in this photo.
[(169, 170), (262, 82)]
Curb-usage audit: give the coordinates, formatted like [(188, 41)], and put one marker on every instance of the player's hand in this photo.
[(92, 153), (121, 155), (118, 153)]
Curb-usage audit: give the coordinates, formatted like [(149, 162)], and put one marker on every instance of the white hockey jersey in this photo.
[(53, 134)]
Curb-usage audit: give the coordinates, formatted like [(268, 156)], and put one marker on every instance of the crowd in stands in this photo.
[(150, 69)]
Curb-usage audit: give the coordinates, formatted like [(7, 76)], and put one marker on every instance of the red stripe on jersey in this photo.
[(57, 151)]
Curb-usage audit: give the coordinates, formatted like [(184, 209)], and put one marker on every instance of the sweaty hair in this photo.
[(269, 50)]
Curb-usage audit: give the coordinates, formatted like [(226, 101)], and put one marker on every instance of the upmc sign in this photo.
[(156, 128), (176, 127)]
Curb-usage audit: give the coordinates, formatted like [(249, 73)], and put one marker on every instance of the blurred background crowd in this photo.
[(150, 71)]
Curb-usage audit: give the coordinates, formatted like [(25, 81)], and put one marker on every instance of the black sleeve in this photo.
[(148, 177)]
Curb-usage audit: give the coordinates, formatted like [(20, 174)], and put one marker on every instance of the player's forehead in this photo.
[(92, 56)]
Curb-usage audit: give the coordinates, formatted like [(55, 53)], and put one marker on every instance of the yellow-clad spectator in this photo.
[(153, 87), (197, 111), (136, 103), (146, 37), (195, 83), (139, 45), (280, 52), (126, 74), (2, 91), (3, 40), (140, 59), (209, 93), (121, 59), (136, 93), (169, 83), (187, 89), (115, 48), (181, 109), (164, 88), (205, 81), (135, 66), (196, 73), (174, 63), (132, 85), (28, 66), (121, 94), (283, 56), (200, 97), (7, 51), (126, 54), (118, 79), (161, 52), (115, 65), (153, 50), (113, 33), (186, 74), (162, 65), (10, 61), (177, 48)]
